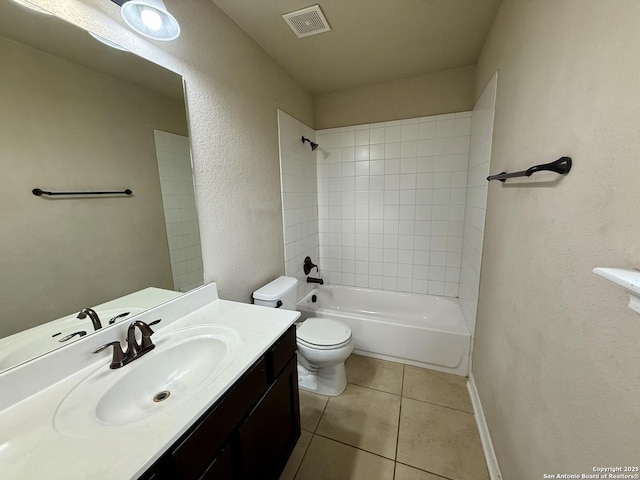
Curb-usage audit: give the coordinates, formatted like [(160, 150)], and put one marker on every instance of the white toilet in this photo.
[(323, 344)]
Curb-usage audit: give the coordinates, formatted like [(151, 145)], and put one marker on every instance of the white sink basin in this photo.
[(183, 363)]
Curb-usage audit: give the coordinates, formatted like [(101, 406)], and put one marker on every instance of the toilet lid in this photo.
[(323, 332)]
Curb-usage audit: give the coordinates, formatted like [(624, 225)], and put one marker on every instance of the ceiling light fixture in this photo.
[(149, 18)]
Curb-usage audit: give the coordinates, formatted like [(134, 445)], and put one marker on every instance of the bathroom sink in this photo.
[(183, 363)]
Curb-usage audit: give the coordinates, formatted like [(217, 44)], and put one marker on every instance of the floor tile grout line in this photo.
[(306, 450), (395, 457), (423, 470), (438, 405), (376, 389), (399, 418), (324, 409), (352, 446)]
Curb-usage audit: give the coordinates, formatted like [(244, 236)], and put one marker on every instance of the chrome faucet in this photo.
[(134, 349), (95, 319)]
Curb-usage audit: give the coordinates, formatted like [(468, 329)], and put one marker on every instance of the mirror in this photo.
[(80, 116)]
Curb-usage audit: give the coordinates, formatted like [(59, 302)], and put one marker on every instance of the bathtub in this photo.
[(421, 330)]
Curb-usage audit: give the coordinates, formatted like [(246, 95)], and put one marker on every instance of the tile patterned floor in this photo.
[(393, 422)]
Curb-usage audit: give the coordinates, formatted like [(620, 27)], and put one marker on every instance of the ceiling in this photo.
[(370, 41)]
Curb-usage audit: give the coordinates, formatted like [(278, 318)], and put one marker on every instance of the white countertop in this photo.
[(32, 448)]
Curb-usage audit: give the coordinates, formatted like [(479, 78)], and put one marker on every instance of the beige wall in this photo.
[(68, 127), (556, 356), (443, 92), (233, 91)]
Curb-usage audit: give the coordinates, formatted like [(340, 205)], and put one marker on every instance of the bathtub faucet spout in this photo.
[(315, 280)]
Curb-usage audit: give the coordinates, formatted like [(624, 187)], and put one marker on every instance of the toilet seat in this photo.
[(323, 333)]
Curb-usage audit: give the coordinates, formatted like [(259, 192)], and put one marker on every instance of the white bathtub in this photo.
[(422, 330)]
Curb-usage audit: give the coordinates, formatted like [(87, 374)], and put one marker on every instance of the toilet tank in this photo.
[(283, 289)]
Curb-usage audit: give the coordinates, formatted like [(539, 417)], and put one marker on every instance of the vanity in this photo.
[(247, 434), (217, 398)]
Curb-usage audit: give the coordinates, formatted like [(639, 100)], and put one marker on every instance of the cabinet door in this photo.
[(268, 435), (220, 468), (193, 453)]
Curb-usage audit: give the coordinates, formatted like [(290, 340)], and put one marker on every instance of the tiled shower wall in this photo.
[(391, 203), (476, 207), (181, 217), (299, 197)]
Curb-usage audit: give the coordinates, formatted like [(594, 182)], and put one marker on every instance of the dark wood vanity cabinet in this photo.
[(268, 435), (250, 432)]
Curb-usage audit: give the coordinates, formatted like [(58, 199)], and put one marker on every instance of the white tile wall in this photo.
[(479, 159), (391, 203), (181, 219), (299, 197)]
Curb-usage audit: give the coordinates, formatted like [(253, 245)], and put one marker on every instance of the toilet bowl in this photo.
[(323, 344)]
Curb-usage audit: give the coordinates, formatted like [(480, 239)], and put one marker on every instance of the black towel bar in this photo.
[(561, 166), (39, 192)]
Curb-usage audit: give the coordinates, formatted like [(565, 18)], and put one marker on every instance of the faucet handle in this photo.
[(115, 319), (308, 265), (80, 333), (117, 360)]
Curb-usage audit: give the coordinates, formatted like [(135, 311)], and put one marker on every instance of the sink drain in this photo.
[(160, 397)]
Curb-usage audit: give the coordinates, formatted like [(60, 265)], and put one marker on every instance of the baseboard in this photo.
[(485, 437)]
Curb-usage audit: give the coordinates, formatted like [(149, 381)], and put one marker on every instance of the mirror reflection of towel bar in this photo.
[(39, 192)]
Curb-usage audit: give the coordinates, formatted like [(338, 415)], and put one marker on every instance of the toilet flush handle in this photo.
[(278, 303)]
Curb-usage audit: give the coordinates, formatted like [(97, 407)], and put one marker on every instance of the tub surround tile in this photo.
[(391, 157), (436, 387), (363, 418), (404, 472), (440, 440), (374, 373), (330, 460), (479, 145), (298, 175), (311, 408), (292, 466)]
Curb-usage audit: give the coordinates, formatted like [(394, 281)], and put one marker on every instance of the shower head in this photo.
[(314, 145)]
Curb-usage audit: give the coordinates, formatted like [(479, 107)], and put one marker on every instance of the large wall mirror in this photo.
[(80, 116)]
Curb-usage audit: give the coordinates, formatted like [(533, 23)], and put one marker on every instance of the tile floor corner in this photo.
[(393, 422)]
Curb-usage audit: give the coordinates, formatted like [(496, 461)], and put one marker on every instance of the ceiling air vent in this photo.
[(307, 21)]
